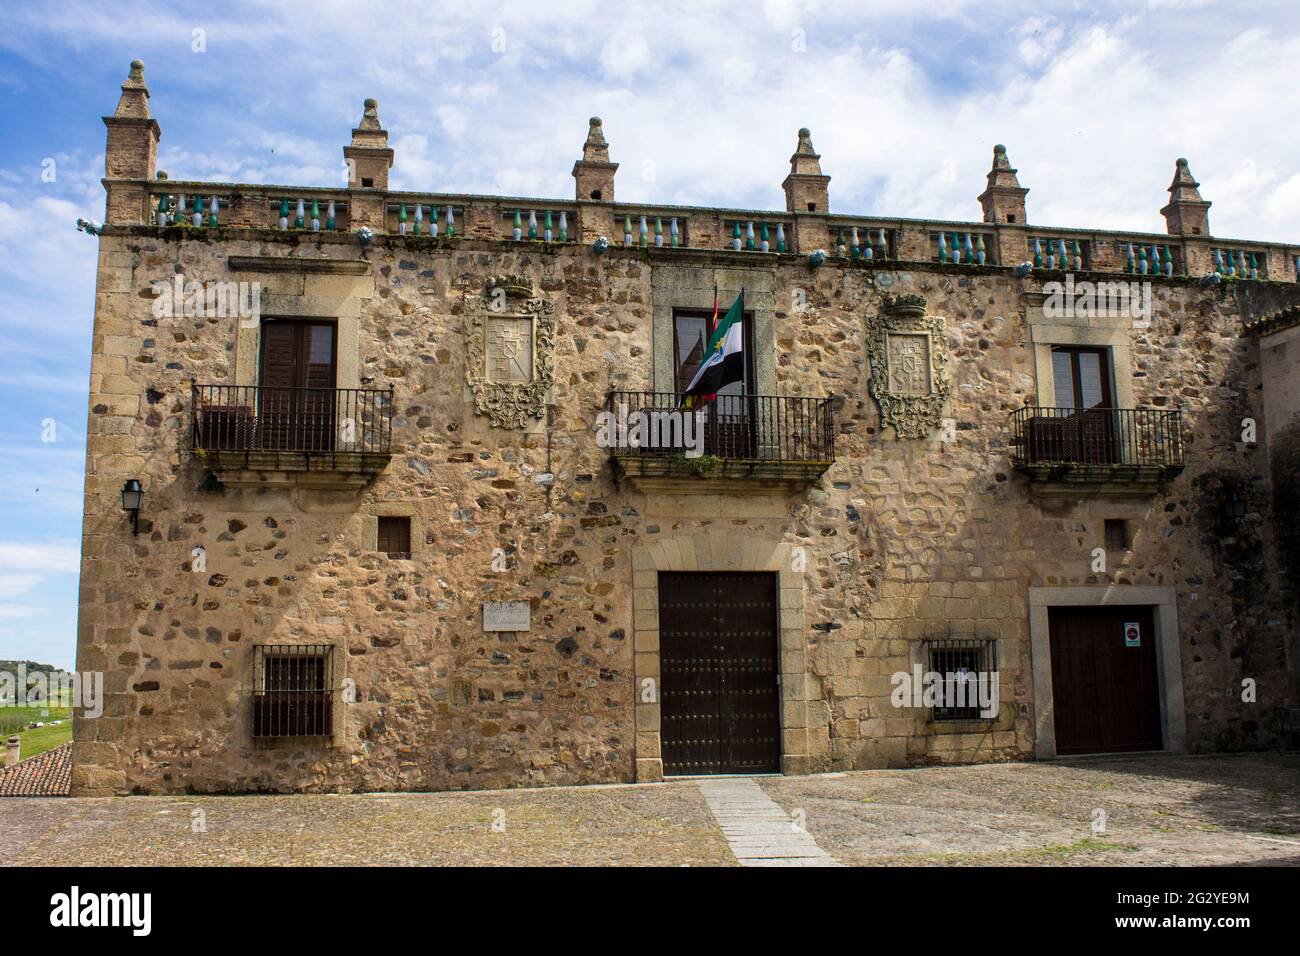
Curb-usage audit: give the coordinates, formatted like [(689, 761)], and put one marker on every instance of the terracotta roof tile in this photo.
[(45, 775)]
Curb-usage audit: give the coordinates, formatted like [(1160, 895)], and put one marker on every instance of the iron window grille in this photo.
[(293, 690), (968, 670)]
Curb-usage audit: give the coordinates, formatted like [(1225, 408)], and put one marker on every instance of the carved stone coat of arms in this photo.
[(908, 352), (510, 344)]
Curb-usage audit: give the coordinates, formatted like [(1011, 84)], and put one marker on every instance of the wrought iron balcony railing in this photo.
[(732, 436), (352, 426), (1097, 443)]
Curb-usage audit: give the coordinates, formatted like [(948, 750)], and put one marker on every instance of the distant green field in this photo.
[(41, 739), (33, 741)]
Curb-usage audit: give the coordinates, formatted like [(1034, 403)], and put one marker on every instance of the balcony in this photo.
[(739, 443), (1114, 450), (333, 438)]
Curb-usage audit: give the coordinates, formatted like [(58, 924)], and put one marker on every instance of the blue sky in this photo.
[(701, 103)]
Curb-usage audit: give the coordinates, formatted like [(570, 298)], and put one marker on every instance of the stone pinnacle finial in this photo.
[(368, 157), (594, 173), (805, 160), (130, 152), (1184, 186), (1187, 213), (134, 101), (370, 115), (1003, 200), (805, 187), (596, 148)]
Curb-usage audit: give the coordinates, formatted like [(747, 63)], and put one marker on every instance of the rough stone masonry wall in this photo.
[(939, 538), (905, 539)]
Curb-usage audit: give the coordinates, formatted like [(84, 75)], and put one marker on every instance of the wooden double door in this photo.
[(1104, 679), (297, 402), (719, 664)]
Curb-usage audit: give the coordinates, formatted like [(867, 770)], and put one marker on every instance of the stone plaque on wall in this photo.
[(510, 341), (507, 616), (908, 351)]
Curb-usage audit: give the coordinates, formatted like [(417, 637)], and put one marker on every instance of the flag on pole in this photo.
[(724, 358)]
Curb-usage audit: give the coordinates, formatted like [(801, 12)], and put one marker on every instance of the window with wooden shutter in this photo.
[(298, 371), (395, 536)]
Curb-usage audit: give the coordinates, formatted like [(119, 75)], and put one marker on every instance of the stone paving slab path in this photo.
[(759, 832)]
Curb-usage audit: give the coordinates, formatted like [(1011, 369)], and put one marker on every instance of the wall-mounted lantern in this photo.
[(132, 496), (1235, 507)]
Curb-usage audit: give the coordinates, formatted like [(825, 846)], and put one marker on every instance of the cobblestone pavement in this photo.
[(1159, 811)]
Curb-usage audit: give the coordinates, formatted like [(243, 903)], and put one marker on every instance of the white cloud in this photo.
[(1039, 38), (1093, 104), (15, 585), (626, 53), (15, 612), (60, 557)]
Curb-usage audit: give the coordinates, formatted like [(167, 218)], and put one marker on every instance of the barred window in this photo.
[(293, 692), (967, 677)]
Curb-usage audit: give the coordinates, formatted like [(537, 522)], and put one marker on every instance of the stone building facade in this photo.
[(465, 588)]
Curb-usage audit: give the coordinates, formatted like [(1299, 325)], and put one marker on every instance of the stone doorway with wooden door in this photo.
[(1105, 679), (720, 672), (297, 400)]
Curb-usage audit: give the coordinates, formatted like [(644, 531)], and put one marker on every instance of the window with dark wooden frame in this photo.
[(967, 668), (298, 370), (293, 690), (1081, 377), (691, 331), (1116, 532), (731, 419), (395, 535)]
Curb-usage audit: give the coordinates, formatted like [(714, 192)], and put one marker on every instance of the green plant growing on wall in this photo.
[(704, 466)]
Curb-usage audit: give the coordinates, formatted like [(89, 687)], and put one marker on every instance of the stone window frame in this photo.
[(1009, 650), (1163, 602), (1111, 334), (391, 509), (687, 287), (339, 665), (323, 296), (1004, 719), (718, 551)]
